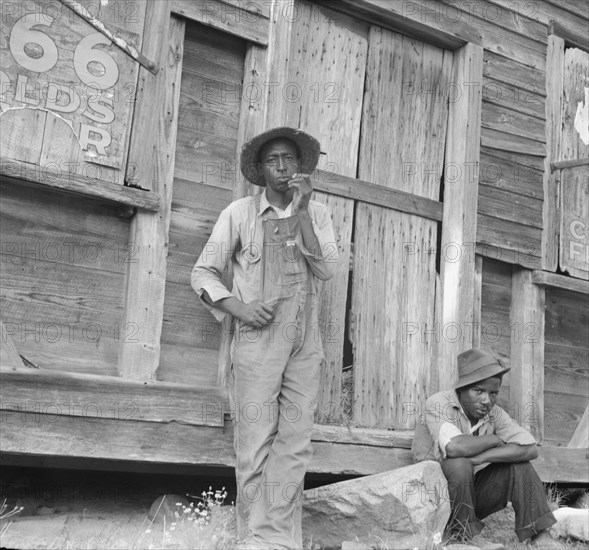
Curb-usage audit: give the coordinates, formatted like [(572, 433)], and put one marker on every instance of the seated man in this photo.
[(484, 454)]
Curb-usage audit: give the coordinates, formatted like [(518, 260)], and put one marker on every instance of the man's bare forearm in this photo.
[(506, 453), (471, 445), (309, 238)]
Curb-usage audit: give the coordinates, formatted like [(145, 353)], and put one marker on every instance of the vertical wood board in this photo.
[(393, 296), (145, 282)]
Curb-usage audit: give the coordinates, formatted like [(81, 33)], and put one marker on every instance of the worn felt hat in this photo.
[(308, 146), (476, 365)]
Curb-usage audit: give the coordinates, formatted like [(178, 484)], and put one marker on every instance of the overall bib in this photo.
[(276, 377)]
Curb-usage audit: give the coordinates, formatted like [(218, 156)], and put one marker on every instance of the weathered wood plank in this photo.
[(554, 95), (580, 438), (9, 356), (566, 317), (515, 123), (372, 437), (204, 177), (574, 230), (575, 136), (380, 195), (54, 177), (562, 413), (558, 465), (573, 37), (494, 138), (408, 19), (459, 226), (528, 81), (513, 172), (546, 278), (229, 17), (509, 241), (394, 267), (33, 434), (146, 279), (514, 207), (21, 135), (47, 392), (513, 98), (565, 369), (527, 352), (393, 271)]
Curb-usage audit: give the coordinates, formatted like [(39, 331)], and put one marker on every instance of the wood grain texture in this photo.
[(574, 213), (393, 352), (554, 100), (459, 226), (52, 176), (237, 18), (559, 281), (82, 395), (9, 356), (394, 269), (34, 434), (146, 279), (527, 351), (580, 437), (205, 174)]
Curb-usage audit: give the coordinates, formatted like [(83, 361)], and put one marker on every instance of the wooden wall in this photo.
[(62, 268), (204, 178), (566, 357)]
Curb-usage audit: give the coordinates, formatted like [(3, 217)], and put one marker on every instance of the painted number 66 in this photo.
[(35, 51)]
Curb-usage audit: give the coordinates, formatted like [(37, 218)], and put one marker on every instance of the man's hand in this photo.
[(301, 183), (255, 314)]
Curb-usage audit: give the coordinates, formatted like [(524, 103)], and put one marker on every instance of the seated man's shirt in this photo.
[(237, 241), (444, 419)]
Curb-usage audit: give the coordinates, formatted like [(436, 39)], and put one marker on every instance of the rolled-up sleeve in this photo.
[(213, 262), (322, 265), (509, 431)]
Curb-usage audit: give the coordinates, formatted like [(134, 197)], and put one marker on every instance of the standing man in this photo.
[(279, 244), (484, 454)]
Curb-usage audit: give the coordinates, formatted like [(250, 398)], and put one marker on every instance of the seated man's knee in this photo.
[(458, 469)]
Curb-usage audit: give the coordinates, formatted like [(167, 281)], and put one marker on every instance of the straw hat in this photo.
[(476, 365), (308, 147)]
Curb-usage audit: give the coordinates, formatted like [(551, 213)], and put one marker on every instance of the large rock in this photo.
[(402, 508), (571, 522)]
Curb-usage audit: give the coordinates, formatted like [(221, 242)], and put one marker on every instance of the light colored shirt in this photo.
[(237, 241), (445, 419)]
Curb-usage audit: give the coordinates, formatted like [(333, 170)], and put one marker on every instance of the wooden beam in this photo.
[(526, 379), (580, 437), (545, 278), (551, 206), (129, 49), (239, 20), (411, 19), (9, 355), (477, 301), (563, 164), (344, 186), (53, 176), (31, 434), (69, 394), (459, 224), (571, 38), (562, 465), (146, 278), (372, 437)]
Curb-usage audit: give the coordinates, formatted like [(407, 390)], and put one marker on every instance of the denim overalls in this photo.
[(276, 378)]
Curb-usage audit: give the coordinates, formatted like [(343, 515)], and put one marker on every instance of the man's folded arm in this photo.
[(471, 445)]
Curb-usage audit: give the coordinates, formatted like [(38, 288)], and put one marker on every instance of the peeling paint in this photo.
[(582, 119), (53, 113)]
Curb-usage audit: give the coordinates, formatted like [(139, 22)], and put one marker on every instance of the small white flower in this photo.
[(437, 538)]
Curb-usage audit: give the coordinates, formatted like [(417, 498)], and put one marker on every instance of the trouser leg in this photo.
[(519, 484), (258, 367), (459, 473), (278, 517)]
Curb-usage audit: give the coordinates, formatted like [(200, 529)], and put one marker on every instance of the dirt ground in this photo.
[(86, 510)]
